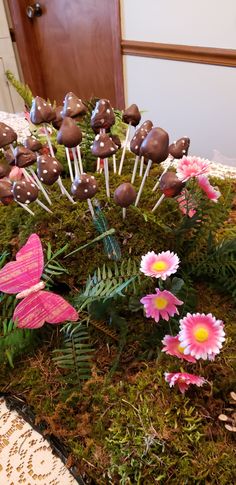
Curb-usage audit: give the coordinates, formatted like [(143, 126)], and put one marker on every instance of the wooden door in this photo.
[(73, 46)]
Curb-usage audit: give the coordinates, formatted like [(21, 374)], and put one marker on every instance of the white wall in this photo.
[(184, 98), (9, 100)]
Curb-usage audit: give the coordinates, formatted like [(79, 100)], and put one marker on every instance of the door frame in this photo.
[(27, 48)]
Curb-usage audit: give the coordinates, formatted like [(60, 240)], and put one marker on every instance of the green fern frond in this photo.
[(76, 354), (22, 89)]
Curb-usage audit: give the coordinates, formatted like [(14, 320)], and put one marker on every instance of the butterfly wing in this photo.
[(43, 306), (26, 271)]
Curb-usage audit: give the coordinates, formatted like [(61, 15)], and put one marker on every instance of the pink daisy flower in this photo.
[(212, 192), (161, 304), (183, 380), (191, 167), (201, 335), (159, 265), (174, 347), (187, 204)]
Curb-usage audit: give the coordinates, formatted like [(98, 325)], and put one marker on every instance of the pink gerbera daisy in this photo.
[(174, 347), (159, 265), (212, 192), (161, 304), (201, 335), (183, 380), (191, 167)]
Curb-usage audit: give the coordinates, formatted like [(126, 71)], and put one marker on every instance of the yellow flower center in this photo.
[(180, 348), (159, 266), (160, 303), (201, 334)]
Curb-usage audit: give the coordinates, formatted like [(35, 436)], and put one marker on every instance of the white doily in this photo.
[(25, 456)]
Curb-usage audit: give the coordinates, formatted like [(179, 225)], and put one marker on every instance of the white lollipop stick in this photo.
[(135, 169), (158, 202), (76, 164), (124, 212), (98, 164), (106, 173), (143, 182), (114, 163), (24, 206), (49, 141), (40, 185), (141, 167), (90, 205), (69, 163), (12, 148), (167, 168), (124, 149), (64, 191), (43, 206), (80, 159)]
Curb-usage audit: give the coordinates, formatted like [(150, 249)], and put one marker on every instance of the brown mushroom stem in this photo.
[(124, 148), (141, 166), (143, 182), (171, 160), (135, 169), (69, 164), (158, 202), (106, 173), (40, 185)]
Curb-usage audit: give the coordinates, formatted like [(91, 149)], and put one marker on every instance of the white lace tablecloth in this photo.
[(17, 122), (25, 456)]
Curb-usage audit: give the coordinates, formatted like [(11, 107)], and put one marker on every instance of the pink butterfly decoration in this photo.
[(23, 278)]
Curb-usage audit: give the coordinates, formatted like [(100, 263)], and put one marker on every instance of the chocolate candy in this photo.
[(69, 134), (103, 146), (4, 169), (41, 111), (48, 169), (25, 191), (32, 144), (125, 195), (24, 157), (103, 115), (7, 135), (6, 196), (132, 115), (155, 146), (170, 185), (180, 147), (56, 123), (84, 187), (139, 136), (116, 140), (73, 106)]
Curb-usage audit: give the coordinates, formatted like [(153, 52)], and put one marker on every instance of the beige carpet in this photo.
[(25, 456)]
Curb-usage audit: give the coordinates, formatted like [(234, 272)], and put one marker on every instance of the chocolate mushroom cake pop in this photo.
[(32, 144), (124, 196), (103, 146), (70, 135), (73, 106), (170, 186), (155, 148), (41, 111), (6, 196), (24, 157), (132, 115), (116, 140), (84, 188), (135, 145), (25, 191), (56, 123), (4, 169), (7, 135), (180, 147), (48, 169), (103, 115)]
